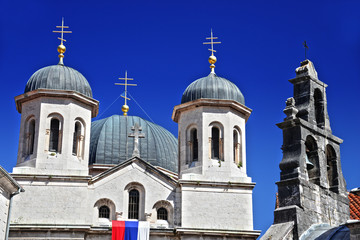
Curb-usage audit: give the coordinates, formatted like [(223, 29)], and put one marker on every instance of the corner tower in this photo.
[(216, 192), (56, 110), (312, 189)]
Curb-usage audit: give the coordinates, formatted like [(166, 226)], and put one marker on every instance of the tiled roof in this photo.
[(354, 201)]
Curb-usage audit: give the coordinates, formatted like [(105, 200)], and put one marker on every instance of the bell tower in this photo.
[(312, 189), (212, 155), (56, 110)]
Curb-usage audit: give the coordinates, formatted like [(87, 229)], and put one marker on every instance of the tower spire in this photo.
[(125, 107), (61, 48), (212, 58)]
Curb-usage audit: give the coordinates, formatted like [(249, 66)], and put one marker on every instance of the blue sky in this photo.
[(159, 43)]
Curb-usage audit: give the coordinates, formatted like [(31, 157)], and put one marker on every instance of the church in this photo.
[(79, 175), (75, 178)]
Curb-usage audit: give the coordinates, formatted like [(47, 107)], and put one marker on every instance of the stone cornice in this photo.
[(216, 184), (310, 127), (53, 178), (213, 103), (94, 104)]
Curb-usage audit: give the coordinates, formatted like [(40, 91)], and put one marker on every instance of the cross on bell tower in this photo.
[(136, 135)]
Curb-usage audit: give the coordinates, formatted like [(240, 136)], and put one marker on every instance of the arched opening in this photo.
[(312, 160), (134, 197), (31, 137), (215, 143), (194, 145), (77, 139), (331, 165), (319, 108), (104, 212), (162, 214), (237, 147), (54, 135)]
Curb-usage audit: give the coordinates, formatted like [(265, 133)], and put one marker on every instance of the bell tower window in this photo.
[(215, 142), (319, 108), (54, 135), (31, 137), (194, 145), (237, 147), (312, 160), (331, 165)]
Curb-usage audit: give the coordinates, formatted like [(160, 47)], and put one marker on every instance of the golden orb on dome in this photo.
[(61, 49), (125, 109), (212, 59)]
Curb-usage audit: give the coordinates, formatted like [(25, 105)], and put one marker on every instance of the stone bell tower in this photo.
[(312, 189)]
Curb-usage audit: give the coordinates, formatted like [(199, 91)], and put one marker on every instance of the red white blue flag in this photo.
[(130, 230)]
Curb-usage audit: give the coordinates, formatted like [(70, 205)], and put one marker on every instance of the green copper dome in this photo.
[(59, 77), (212, 87), (110, 142)]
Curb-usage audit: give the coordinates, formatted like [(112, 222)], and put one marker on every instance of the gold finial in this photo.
[(125, 108), (61, 48), (212, 58)]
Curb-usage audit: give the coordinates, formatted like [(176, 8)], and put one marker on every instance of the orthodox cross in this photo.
[(61, 48), (211, 38), (125, 108), (136, 135), (62, 31), (306, 47)]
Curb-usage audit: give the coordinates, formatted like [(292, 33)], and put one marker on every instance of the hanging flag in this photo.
[(130, 230)]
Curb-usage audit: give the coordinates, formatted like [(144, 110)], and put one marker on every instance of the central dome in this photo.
[(110, 142), (212, 87), (59, 77)]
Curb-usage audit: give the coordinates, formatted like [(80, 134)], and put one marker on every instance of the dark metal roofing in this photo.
[(212, 87), (325, 232), (110, 144), (59, 77)]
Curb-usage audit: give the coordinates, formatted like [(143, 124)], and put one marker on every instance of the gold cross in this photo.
[(212, 43), (62, 31), (126, 84)]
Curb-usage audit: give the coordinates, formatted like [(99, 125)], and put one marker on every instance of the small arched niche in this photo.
[(104, 211), (163, 214)]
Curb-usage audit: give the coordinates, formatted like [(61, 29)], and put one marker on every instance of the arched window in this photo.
[(312, 160), (54, 135), (215, 143), (194, 145), (332, 174), (104, 212), (77, 139), (237, 147), (31, 137), (319, 108), (134, 198), (162, 214)]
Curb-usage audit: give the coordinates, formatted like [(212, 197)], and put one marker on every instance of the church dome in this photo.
[(59, 77), (110, 142), (212, 87)]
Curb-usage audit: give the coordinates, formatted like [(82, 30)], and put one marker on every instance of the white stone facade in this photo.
[(68, 108), (209, 198), (8, 189)]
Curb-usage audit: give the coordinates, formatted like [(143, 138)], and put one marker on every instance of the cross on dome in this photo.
[(61, 48), (212, 58), (125, 107)]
